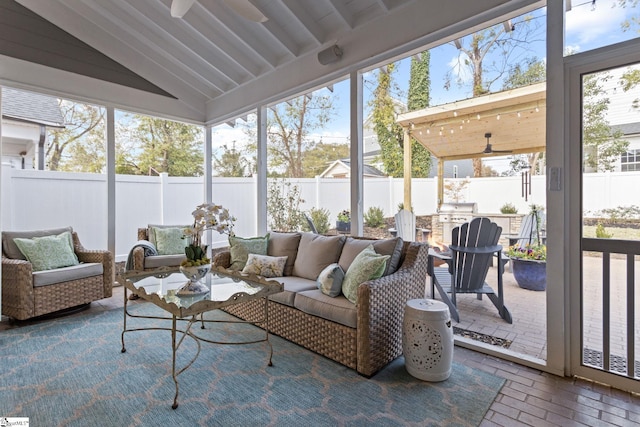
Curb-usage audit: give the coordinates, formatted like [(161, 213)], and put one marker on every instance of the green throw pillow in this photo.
[(48, 252), (330, 280), (264, 265), (169, 241), (368, 265), (240, 248)]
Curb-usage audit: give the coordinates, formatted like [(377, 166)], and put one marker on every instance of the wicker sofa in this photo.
[(27, 293), (365, 336)]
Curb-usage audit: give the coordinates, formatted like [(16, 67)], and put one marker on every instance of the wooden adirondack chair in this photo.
[(473, 246), (406, 225)]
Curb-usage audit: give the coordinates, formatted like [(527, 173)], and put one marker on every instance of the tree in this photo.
[(386, 107), (318, 158), (389, 133), (231, 163), (82, 135), (502, 44), (289, 127), (601, 145), (533, 70), (628, 81), (418, 98), (163, 146)]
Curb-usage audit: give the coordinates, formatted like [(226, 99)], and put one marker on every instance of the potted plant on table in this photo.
[(343, 224), (529, 261), (207, 216)]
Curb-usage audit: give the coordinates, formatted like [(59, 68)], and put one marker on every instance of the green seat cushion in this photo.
[(48, 252), (368, 265), (240, 248), (170, 241)]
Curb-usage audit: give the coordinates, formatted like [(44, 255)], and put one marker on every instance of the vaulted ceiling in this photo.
[(215, 65)]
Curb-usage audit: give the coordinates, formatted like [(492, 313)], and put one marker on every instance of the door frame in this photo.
[(575, 67)]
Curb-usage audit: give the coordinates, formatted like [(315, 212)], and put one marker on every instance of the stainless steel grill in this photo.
[(453, 214)]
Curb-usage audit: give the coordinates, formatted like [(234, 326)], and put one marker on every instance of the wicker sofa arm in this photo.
[(381, 304), (98, 256), (17, 286)]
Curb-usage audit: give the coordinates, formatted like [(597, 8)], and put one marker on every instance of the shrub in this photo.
[(283, 206), (601, 233), (508, 208), (401, 207), (374, 217), (320, 218)]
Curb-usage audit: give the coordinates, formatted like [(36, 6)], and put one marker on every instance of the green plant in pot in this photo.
[(344, 221), (528, 261)]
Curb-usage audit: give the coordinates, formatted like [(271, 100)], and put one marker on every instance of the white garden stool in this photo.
[(427, 339)]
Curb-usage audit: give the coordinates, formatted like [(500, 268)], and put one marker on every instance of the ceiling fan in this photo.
[(488, 149), (242, 7)]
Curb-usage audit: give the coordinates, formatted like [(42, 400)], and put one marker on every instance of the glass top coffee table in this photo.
[(226, 288)]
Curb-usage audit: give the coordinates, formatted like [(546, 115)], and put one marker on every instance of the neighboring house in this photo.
[(342, 169), (630, 161), (25, 118)]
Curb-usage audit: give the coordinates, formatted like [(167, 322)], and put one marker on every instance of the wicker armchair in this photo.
[(89, 281), (140, 261)]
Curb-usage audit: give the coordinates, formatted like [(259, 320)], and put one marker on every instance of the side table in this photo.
[(427, 339)]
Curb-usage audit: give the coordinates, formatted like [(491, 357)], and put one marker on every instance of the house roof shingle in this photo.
[(31, 107)]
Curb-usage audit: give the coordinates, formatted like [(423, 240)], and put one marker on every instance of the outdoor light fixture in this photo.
[(330, 55)]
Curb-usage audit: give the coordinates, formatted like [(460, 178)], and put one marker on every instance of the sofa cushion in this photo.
[(368, 265), (11, 250), (155, 261), (392, 247), (337, 309), (284, 244), (152, 233), (240, 248), (170, 241), (292, 285), (264, 265), (315, 253), (48, 252), (330, 280), (65, 274)]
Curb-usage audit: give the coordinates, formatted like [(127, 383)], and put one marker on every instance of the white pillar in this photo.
[(261, 190), (356, 156), (165, 203), (111, 181)]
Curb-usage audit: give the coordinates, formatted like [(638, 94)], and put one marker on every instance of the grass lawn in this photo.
[(617, 233)]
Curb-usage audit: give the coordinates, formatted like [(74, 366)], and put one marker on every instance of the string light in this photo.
[(455, 114), (428, 131), (518, 113), (537, 110), (478, 116), (498, 117)]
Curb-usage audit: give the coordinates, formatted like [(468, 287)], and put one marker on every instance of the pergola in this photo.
[(514, 118)]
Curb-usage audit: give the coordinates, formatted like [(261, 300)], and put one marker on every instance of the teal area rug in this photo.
[(70, 372)]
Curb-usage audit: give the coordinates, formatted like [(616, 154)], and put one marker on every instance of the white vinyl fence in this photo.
[(41, 199)]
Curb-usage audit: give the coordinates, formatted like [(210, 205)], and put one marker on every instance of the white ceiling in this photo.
[(219, 65)]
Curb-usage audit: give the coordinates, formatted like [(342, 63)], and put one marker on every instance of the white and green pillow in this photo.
[(330, 280), (264, 265), (368, 265), (170, 241), (48, 252), (240, 248)]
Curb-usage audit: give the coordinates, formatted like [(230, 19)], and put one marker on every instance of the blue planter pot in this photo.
[(343, 227), (529, 274)]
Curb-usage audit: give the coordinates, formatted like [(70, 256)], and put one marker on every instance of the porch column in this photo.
[(111, 181), (407, 169), (261, 168), (357, 162)]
